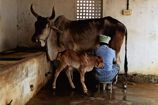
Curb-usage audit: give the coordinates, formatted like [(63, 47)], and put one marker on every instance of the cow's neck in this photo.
[(52, 47)]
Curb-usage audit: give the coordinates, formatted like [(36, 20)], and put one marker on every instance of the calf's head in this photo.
[(99, 62), (42, 27)]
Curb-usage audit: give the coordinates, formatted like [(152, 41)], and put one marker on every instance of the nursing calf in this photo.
[(80, 61)]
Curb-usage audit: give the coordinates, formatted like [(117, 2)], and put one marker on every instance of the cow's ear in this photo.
[(49, 21), (53, 14)]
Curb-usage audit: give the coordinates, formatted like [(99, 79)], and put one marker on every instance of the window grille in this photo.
[(87, 9)]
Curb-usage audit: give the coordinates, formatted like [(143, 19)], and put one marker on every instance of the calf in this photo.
[(82, 62)]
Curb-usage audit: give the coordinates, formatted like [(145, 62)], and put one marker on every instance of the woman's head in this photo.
[(103, 39)]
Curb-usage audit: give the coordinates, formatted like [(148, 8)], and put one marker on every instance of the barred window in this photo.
[(87, 9)]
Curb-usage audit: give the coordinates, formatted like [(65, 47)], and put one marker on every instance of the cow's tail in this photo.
[(125, 61)]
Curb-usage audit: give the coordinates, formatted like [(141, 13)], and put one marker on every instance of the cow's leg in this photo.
[(57, 72), (82, 79), (116, 43), (68, 72), (118, 60)]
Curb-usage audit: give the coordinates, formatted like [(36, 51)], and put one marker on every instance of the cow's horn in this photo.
[(33, 12), (53, 14)]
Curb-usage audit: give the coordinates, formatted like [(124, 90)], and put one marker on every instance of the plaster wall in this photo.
[(142, 33), (8, 22)]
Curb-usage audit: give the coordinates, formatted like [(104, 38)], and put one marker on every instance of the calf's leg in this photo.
[(82, 79), (68, 73), (57, 72)]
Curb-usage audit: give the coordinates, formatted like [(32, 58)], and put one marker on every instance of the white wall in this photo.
[(142, 33), (8, 22)]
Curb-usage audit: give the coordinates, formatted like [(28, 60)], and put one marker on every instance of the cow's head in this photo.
[(42, 27)]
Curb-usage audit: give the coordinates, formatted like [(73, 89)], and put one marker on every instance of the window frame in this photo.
[(82, 11)]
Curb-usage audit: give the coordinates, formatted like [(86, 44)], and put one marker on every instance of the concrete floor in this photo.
[(135, 94)]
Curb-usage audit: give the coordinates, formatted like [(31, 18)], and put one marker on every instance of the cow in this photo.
[(79, 35), (80, 61)]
